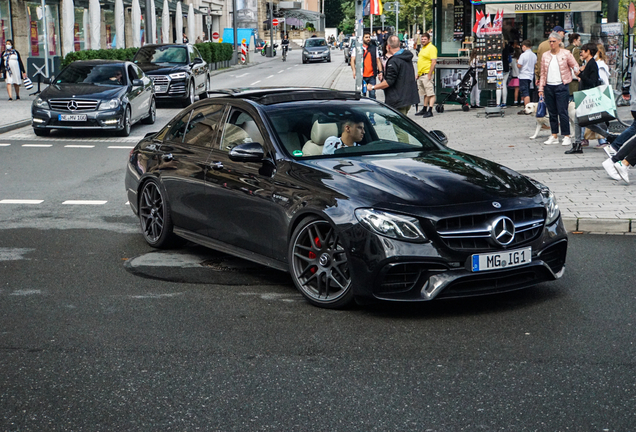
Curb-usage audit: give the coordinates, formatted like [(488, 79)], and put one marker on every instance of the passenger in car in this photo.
[(352, 134)]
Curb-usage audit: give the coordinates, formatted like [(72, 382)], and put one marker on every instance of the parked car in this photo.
[(177, 70), (95, 94), (316, 49), (398, 217)]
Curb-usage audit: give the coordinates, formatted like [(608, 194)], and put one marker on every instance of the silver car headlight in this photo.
[(549, 201), (391, 225), (107, 105), (39, 103), (178, 75)]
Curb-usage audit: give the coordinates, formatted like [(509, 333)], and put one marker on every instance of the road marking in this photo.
[(255, 82), (240, 76), (37, 145), (17, 201), (4, 145), (121, 147), (281, 71), (79, 146), (270, 76), (289, 68), (84, 202)]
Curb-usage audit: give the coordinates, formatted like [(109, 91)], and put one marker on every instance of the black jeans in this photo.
[(557, 98)]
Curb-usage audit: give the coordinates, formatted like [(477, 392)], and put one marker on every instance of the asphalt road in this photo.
[(100, 332)]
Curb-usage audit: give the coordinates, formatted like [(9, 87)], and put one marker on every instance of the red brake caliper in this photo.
[(312, 255)]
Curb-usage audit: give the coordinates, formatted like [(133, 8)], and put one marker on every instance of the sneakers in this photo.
[(610, 151), (428, 113), (503, 105), (421, 112), (567, 141), (585, 143), (553, 140), (622, 171), (609, 169)]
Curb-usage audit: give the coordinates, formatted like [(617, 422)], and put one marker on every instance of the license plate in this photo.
[(161, 88), (500, 260), (72, 117)]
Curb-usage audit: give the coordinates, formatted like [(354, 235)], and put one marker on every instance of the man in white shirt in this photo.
[(352, 134), (526, 63)]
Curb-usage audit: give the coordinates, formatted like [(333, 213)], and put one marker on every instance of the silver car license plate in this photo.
[(72, 117), (500, 260)]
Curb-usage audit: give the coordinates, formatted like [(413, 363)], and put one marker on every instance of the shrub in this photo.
[(105, 54)]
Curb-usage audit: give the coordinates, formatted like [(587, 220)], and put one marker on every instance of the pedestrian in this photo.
[(379, 37), (542, 49), (506, 57), (526, 64), (426, 61), (371, 64), (573, 47), (601, 62), (12, 68), (399, 85), (513, 83), (418, 42), (588, 78), (185, 38), (199, 40), (475, 92), (556, 73), (341, 37)]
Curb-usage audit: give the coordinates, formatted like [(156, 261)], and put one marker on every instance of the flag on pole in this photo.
[(366, 7), (375, 7)]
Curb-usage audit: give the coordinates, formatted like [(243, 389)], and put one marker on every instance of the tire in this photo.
[(263, 52), (304, 61), (152, 113), (125, 131), (465, 108), (319, 265), (441, 108), (189, 100), (204, 95), (154, 217), (438, 108), (329, 60), (41, 132)]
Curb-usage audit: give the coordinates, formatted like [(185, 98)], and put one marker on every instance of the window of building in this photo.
[(5, 22), (35, 20)]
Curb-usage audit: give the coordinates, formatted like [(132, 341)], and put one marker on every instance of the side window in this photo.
[(178, 129), (132, 74), (240, 128), (191, 53), (204, 124), (197, 54), (139, 72)]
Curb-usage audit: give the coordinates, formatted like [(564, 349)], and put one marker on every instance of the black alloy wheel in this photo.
[(319, 265), (152, 113), (154, 217), (126, 124)]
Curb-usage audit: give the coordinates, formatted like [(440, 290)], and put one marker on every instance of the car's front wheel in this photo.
[(319, 265), (189, 100), (126, 123), (154, 217)]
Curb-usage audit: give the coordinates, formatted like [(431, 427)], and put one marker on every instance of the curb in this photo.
[(17, 125), (593, 225)]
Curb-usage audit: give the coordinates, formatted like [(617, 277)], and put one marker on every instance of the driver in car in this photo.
[(117, 77), (352, 134)]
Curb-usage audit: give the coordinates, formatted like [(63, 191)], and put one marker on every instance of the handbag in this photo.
[(28, 84), (595, 105), (541, 108)]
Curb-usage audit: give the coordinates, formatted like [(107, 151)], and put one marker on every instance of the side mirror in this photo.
[(440, 136), (49, 80), (137, 83), (247, 152), (198, 61)]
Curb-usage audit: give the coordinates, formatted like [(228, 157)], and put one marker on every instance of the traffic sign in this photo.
[(275, 22), (215, 36), (631, 15)]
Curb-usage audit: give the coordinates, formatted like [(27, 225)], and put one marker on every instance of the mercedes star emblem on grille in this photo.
[(72, 105), (495, 204), (503, 230)]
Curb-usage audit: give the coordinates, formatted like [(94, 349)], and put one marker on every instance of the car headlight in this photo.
[(39, 103), (549, 201), (111, 104), (306, 52), (391, 225), (178, 75)]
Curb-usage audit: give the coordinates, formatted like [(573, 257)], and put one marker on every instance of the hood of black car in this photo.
[(87, 91), (432, 178), (161, 69)]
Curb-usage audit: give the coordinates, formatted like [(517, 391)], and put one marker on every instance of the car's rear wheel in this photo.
[(126, 124), (152, 113), (41, 132), (154, 217), (319, 265)]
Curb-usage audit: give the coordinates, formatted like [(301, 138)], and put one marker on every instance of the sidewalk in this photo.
[(589, 200), (16, 113)]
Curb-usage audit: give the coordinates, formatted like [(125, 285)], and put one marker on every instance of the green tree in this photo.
[(334, 13)]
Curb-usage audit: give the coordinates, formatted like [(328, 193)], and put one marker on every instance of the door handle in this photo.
[(167, 157), (216, 165)]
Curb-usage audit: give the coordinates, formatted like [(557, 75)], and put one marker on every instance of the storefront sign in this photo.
[(77, 38), (539, 7), (35, 46), (451, 63)]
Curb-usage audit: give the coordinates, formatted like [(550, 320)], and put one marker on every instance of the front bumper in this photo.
[(167, 88), (387, 269), (42, 118), (317, 57)]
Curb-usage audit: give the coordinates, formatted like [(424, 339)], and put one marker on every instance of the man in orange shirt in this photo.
[(372, 65)]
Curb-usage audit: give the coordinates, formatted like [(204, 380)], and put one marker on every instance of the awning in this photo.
[(540, 7), (302, 14)]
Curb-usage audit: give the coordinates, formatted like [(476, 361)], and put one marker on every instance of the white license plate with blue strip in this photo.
[(501, 260)]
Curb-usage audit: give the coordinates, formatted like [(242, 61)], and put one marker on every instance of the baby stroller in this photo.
[(460, 92)]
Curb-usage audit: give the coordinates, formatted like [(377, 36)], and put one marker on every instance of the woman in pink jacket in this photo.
[(556, 75)]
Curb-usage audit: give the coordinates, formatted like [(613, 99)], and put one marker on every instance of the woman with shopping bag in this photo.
[(13, 68), (590, 115)]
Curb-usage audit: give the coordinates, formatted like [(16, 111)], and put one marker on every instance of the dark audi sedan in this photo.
[(303, 181), (95, 94)]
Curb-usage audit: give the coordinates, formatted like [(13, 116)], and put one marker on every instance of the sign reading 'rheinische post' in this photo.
[(534, 7)]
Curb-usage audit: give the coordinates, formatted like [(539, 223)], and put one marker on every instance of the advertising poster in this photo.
[(35, 46), (2, 37), (109, 37), (52, 39), (77, 38), (451, 77)]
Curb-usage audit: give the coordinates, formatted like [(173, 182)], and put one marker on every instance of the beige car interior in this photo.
[(319, 133)]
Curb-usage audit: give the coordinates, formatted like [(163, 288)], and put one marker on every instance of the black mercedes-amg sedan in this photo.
[(354, 199), (95, 94)]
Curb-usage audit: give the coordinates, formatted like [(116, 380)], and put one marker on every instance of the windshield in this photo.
[(317, 128), (162, 54), (100, 74), (315, 43)]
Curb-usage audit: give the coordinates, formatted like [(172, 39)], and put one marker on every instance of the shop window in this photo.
[(456, 18), (5, 22), (109, 21), (35, 20), (82, 29)]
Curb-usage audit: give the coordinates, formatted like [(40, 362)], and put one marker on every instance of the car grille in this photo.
[(161, 83), (471, 233), (554, 256), (399, 278), (178, 87), (81, 104)]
